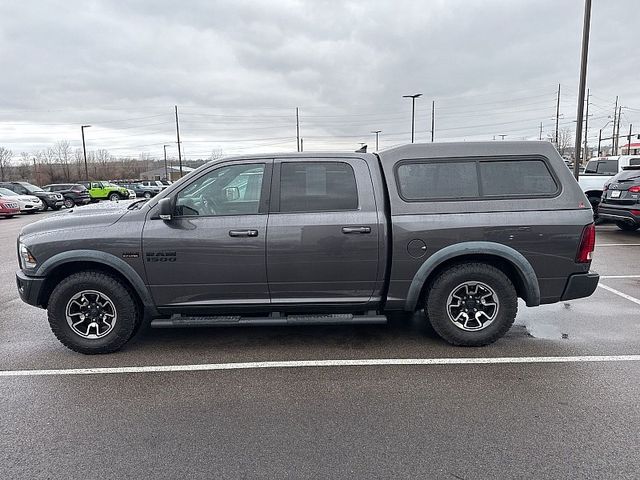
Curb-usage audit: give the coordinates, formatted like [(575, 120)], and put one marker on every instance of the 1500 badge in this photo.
[(160, 256)]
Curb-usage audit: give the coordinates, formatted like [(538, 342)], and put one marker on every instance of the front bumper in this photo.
[(29, 288), (580, 285)]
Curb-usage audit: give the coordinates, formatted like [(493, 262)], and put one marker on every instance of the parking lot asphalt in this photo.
[(498, 420)]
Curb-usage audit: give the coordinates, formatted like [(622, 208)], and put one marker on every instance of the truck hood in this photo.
[(99, 215)]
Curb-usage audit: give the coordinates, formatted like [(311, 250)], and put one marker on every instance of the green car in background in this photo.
[(105, 191)]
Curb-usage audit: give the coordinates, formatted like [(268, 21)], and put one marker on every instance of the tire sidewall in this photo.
[(69, 203), (452, 278), (125, 306)]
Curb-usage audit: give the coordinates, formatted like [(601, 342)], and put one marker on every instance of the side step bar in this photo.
[(271, 320)]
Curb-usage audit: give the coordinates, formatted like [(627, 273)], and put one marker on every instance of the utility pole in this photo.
[(178, 135), (599, 141), (166, 169), (629, 144), (583, 81), (35, 169), (301, 144), (413, 111), (616, 135), (586, 129), (615, 119), (540, 136), (558, 117), (377, 132), (433, 118), (297, 129), (84, 152)]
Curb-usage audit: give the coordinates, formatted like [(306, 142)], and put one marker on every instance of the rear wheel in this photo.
[(627, 227), (114, 196), (147, 195), (92, 312), (69, 203), (472, 304)]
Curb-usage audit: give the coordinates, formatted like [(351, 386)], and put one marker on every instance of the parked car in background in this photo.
[(106, 191), (153, 184), (621, 199), (140, 190), (51, 200), (26, 203), (73, 193), (8, 207), (599, 171)]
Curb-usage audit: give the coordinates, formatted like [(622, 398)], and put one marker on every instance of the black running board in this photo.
[(177, 321)]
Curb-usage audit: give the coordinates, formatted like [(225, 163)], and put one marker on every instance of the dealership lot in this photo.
[(507, 420)]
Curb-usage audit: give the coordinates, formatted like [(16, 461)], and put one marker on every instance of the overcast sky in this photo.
[(238, 69)]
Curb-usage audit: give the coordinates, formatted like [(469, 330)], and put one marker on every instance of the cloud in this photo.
[(238, 69)]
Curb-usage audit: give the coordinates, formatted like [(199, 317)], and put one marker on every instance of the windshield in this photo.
[(628, 175), (31, 188), (5, 192)]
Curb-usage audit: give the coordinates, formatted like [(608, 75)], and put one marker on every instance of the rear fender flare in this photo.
[(531, 293)]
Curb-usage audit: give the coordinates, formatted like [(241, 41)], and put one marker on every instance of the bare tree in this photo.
[(102, 159), (5, 160), (26, 170), (565, 139), (63, 156), (215, 154)]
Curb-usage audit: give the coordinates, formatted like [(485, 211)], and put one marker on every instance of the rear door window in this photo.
[(317, 187), (516, 177)]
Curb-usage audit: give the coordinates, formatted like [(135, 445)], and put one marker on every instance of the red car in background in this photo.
[(8, 208)]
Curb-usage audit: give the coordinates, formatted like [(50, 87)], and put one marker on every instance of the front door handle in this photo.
[(243, 233), (356, 229)]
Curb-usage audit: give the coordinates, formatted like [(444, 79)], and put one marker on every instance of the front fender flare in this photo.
[(122, 267), (531, 293)]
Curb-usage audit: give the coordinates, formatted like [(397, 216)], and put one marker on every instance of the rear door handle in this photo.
[(243, 233), (356, 229)]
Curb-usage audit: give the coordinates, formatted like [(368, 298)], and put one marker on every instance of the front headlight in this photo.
[(26, 258)]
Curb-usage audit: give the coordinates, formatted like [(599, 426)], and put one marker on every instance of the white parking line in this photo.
[(619, 293), (619, 245), (618, 276), (320, 363)]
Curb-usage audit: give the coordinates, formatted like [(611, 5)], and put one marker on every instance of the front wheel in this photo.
[(147, 195), (472, 304), (92, 312), (627, 227)]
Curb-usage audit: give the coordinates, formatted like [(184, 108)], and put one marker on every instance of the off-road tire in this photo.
[(128, 313), (447, 281), (114, 196), (627, 227)]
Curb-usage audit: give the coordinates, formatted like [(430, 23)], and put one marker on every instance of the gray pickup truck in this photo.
[(459, 230)]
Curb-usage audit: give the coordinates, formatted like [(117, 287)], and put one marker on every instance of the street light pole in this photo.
[(166, 169), (377, 132), (583, 81), (84, 152), (413, 111)]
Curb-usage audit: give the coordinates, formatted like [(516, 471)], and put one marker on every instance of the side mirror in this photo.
[(166, 209), (231, 194)]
